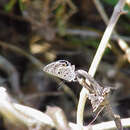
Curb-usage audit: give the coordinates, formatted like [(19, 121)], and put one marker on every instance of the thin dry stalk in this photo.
[(120, 40), (103, 45), (12, 73)]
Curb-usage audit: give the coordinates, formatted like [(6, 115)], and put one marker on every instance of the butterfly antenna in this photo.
[(96, 116)]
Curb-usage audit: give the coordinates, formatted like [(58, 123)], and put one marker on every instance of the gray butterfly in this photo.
[(62, 69)]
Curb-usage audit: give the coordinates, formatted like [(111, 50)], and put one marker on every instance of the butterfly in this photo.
[(62, 69)]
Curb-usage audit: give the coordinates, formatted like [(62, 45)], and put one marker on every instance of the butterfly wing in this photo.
[(62, 69), (66, 73), (95, 101), (49, 68)]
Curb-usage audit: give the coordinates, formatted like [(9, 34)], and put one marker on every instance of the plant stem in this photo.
[(118, 10)]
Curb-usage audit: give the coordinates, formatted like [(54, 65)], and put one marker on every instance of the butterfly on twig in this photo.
[(64, 70)]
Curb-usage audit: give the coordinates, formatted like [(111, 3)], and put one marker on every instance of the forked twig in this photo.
[(118, 10), (96, 93)]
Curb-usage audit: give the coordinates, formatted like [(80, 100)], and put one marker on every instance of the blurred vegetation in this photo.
[(50, 30)]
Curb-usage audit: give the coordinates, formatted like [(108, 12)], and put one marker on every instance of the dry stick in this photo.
[(22, 52), (59, 118), (90, 33), (12, 73), (116, 118), (101, 11), (120, 40), (17, 113), (110, 125), (106, 19), (118, 10)]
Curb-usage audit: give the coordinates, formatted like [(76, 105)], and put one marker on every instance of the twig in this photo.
[(110, 125), (59, 117), (103, 44), (16, 116), (22, 52), (90, 33), (12, 73), (101, 11), (123, 45), (102, 126), (115, 117), (120, 40), (29, 116), (118, 10), (19, 114)]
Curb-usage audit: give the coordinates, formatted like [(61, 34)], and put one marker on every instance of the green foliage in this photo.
[(111, 2), (127, 8), (10, 5), (21, 5), (59, 13)]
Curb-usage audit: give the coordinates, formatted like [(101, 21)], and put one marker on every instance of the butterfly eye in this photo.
[(64, 62), (58, 72)]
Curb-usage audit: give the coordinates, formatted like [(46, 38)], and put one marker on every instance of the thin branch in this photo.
[(59, 117), (120, 40), (91, 33), (102, 126), (12, 73), (8, 111), (118, 10), (22, 52), (104, 42), (116, 118)]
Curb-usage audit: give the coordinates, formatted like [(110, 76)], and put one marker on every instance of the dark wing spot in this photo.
[(65, 63)]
